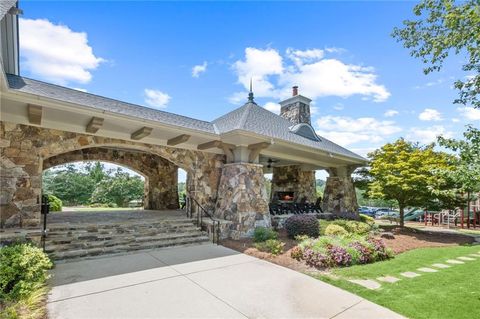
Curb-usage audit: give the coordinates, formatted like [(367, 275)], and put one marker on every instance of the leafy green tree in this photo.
[(444, 27), (404, 172), (465, 176), (119, 189)]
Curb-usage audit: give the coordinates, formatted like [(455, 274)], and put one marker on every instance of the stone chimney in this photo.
[(297, 108)]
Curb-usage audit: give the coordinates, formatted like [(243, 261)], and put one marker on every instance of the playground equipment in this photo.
[(450, 217)]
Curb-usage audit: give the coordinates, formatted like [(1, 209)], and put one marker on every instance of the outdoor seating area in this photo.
[(294, 208)]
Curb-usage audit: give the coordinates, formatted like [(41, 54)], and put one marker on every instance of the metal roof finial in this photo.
[(250, 94)]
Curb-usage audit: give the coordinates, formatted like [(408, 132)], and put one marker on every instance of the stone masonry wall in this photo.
[(160, 174), (23, 149), (242, 199), (296, 113), (292, 178), (339, 194)]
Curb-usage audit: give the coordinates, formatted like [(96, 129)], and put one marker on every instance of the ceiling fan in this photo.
[(270, 162)]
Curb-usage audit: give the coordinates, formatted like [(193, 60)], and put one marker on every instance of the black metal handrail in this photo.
[(200, 211)]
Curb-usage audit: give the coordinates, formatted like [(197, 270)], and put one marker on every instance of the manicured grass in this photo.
[(449, 293)]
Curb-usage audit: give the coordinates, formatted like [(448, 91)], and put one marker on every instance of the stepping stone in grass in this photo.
[(440, 266), (475, 255), (426, 269), (389, 279), (367, 283), (456, 262), (466, 258), (410, 274)]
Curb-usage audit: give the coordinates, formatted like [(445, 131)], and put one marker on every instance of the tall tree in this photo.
[(404, 172), (466, 173), (444, 27)]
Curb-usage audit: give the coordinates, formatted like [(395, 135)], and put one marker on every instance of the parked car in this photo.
[(366, 211), (415, 214), (383, 212)]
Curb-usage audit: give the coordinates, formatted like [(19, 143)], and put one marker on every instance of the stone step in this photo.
[(66, 244), (95, 227), (112, 232), (62, 255)]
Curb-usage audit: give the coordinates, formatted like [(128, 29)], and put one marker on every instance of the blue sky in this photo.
[(196, 59)]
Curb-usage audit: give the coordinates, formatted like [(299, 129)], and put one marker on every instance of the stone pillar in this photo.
[(339, 195), (20, 179), (293, 179), (163, 189), (242, 198)]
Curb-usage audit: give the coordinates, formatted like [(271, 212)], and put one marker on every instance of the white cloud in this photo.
[(272, 107), (346, 130), (198, 69), (55, 52), (455, 120), (390, 113), (80, 89), (258, 66), (428, 134), (469, 113), (430, 115), (317, 76), (156, 98)]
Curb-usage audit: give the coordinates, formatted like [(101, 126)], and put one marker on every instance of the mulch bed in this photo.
[(410, 238), (405, 239)]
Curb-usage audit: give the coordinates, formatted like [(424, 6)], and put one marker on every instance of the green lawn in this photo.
[(449, 293)]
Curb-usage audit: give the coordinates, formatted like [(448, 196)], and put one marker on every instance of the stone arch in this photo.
[(161, 190), (25, 148)]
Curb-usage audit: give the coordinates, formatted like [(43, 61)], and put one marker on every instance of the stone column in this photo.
[(242, 198), (20, 178), (293, 178), (339, 195), (163, 189)]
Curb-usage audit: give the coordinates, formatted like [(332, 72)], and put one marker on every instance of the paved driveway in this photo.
[(204, 281)]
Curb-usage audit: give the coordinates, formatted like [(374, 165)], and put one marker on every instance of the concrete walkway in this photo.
[(203, 281)]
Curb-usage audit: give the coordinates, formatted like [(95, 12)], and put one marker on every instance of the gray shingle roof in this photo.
[(256, 119), (5, 5), (60, 93), (250, 117)]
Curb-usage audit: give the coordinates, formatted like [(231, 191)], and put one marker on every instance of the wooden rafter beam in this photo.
[(94, 125), (141, 133), (35, 113), (208, 145), (178, 139)]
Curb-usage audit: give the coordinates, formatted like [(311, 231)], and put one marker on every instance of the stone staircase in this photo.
[(66, 241)]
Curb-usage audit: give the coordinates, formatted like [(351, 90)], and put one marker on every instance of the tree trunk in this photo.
[(402, 222)]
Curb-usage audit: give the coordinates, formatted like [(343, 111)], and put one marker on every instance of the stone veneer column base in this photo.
[(339, 195), (242, 199)]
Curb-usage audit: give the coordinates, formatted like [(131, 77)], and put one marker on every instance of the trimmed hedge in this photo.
[(302, 225)]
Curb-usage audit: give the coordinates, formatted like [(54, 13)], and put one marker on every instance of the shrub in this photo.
[(261, 234), (366, 219), (359, 228), (302, 225), (272, 246), (55, 203), (296, 253), (335, 230), (330, 251), (22, 268)]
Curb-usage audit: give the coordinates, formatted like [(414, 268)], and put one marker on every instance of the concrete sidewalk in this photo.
[(203, 281)]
